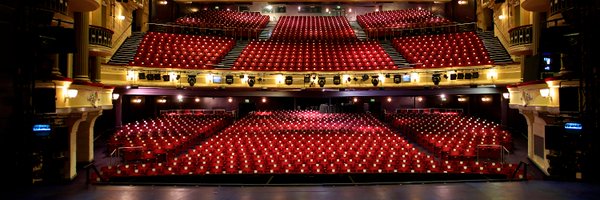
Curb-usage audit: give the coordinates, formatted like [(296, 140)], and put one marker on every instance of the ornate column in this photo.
[(81, 58)]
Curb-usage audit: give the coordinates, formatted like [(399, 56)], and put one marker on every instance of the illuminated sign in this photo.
[(573, 126)]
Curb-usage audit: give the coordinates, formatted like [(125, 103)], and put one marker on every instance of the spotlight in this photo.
[(289, 80), (321, 81), (150, 77), (142, 75), (436, 78), (166, 77), (229, 79), (191, 79), (460, 76), (260, 79), (307, 78), (251, 81), (365, 77), (349, 79), (375, 80), (468, 75), (156, 77), (446, 76), (177, 77), (452, 76), (397, 78), (387, 75), (355, 79), (475, 74), (337, 80)]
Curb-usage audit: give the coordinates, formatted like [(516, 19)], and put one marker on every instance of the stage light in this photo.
[(468, 75), (191, 79), (475, 74), (460, 75), (306, 78), (337, 80), (166, 77), (251, 81), (365, 77), (436, 78), (321, 81), (150, 77), (453, 76), (156, 76), (375, 80), (229, 79), (142, 75), (397, 78), (289, 80)]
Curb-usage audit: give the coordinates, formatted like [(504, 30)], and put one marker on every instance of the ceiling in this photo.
[(313, 1)]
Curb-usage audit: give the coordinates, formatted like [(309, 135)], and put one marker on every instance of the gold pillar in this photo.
[(81, 59)]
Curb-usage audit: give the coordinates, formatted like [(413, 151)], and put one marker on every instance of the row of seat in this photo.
[(319, 56), (225, 19), (453, 136), (277, 142), (326, 28), (443, 50), (382, 22), (181, 51), (163, 136)]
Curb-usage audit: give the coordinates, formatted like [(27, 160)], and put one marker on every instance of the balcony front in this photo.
[(100, 40), (521, 40)]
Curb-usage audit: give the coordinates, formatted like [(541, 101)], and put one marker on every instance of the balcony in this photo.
[(100, 40), (59, 6), (559, 6), (521, 40), (536, 5)]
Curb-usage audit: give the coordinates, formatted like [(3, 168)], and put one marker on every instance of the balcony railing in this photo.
[(100, 36), (53, 5), (521, 35), (559, 6)]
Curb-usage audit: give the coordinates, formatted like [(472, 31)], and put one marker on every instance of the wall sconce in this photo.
[(544, 92), (163, 2), (462, 99), (121, 17), (502, 17), (161, 100), (419, 99), (506, 95), (462, 2), (180, 98), (72, 93), (486, 99), (115, 96)]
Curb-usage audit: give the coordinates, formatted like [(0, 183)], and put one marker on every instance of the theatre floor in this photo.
[(536, 189)]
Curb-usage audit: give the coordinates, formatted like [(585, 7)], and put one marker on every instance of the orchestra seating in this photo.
[(382, 22), (307, 142), (163, 137), (453, 136), (311, 28), (443, 50), (168, 50), (242, 24), (313, 56)]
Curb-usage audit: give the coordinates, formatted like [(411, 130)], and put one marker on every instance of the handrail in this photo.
[(502, 35), (521, 35), (502, 150), (87, 172), (521, 163), (121, 35), (448, 28), (100, 36)]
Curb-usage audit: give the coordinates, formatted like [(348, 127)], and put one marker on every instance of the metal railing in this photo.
[(391, 32), (60, 6), (521, 164), (559, 6), (521, 35), (503, 152), (430, 110), (197, 112), (234, 32), (89, 167), (100, 36)]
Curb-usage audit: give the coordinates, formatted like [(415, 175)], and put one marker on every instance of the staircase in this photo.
[(265, 34), (497, 52), (127, 50), (398, 59), (232, 55), (360, 33)]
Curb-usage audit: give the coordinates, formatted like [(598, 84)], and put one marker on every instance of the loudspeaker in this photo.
[(554, 136), (229, 79), (337, 80), (44, 100), (568, 99), (397, 79)]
